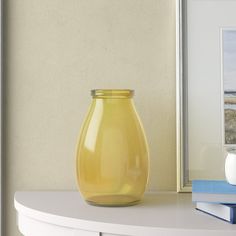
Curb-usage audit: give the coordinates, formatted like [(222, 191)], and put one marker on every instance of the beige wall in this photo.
[(57, 51)]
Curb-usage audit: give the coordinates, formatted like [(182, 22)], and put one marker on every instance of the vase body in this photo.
[(112, 153), (230, 166)]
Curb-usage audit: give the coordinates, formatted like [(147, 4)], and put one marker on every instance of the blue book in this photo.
[(225, 212), (213, 186), (213, 191)]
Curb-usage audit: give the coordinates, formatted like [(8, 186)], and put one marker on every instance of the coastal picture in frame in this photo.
[(229, 84)]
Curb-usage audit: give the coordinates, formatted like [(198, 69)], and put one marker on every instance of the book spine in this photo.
[(232, 215)]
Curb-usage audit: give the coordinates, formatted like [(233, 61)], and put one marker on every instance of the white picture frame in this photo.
[(199, 88)]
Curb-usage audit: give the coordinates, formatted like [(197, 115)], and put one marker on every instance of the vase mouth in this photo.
[(112, 93)]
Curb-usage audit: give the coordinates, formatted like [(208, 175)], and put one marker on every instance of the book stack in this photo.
[(216, 198)]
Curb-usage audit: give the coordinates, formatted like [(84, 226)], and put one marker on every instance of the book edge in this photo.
[(231, 222)]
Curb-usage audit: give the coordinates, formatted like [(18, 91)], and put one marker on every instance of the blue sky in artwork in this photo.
[(229, 60)]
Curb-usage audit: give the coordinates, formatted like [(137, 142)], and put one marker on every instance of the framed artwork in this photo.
[(229, 84), (206, 88)]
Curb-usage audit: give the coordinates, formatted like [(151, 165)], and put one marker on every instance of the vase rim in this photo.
[(112, 93)]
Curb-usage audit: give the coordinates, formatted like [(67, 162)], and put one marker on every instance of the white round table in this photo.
[(66, 214)]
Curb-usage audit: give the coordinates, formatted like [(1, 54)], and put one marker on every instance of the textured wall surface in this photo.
[(56, 52)]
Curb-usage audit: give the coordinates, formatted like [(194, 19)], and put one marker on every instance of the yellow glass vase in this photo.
[(112, 153)]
